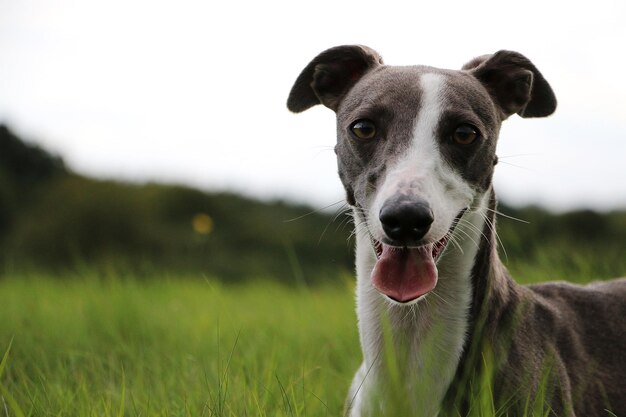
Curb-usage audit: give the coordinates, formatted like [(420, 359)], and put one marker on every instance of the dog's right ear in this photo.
[(329, 77), (514, 83)]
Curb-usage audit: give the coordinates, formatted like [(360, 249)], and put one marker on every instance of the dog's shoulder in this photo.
[(588, 307), (594, 299)]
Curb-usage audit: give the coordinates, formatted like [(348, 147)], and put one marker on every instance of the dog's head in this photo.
[(416, 146)]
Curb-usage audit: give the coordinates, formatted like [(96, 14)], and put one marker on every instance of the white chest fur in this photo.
[(411, 353)]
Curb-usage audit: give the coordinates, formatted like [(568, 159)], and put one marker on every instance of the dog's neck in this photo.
[(428, 338)]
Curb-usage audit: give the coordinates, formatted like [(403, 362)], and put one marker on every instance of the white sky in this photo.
[(195, 92)]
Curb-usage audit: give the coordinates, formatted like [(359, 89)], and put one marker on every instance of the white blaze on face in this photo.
[(437, 328), (422, 172)]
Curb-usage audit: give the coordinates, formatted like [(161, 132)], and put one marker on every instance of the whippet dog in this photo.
[(416, 150)]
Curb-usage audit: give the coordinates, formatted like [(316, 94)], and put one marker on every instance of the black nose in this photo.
[(406, 220)]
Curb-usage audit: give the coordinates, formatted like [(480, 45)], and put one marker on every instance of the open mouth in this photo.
[(406, 274), (436, 251)]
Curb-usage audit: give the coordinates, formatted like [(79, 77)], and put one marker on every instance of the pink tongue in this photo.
[(405, 274)]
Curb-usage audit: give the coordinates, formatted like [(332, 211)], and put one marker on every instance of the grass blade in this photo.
[(17, 410), (120, 413), (5, 358)]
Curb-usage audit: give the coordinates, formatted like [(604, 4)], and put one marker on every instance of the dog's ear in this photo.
[(514, 83), (330, 75)]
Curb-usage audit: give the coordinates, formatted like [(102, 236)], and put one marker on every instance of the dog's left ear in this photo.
[(330, 75), (514, 83)]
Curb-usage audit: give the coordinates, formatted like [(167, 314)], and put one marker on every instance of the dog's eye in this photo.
[(465, 134), (363, 129)]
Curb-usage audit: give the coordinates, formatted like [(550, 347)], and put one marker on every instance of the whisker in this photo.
[(499, 213), (467, 235), (475, 228), (344, 222), (516, 166), (340, 210), (456, 244), (314, 211), (492, 227)]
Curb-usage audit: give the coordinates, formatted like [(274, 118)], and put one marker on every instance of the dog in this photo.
[(439, 316)]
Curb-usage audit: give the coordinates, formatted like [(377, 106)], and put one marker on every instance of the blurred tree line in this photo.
[(54, 219)]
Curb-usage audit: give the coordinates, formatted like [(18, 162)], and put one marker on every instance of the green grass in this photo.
[(174, 348), (179, 346)]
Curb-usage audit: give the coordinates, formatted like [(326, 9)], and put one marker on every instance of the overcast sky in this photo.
[(194, 92)]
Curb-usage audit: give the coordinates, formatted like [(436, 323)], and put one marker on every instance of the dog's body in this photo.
[(416, 151)]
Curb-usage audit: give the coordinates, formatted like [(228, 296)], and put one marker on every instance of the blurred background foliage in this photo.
[(54, 219)]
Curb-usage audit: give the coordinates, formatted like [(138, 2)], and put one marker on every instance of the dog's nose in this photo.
[(406, 220)]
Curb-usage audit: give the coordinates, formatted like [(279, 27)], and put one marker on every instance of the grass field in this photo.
[(87, 347), (189, 346)]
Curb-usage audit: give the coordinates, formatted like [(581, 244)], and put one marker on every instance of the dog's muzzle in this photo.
[(406, 268)]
